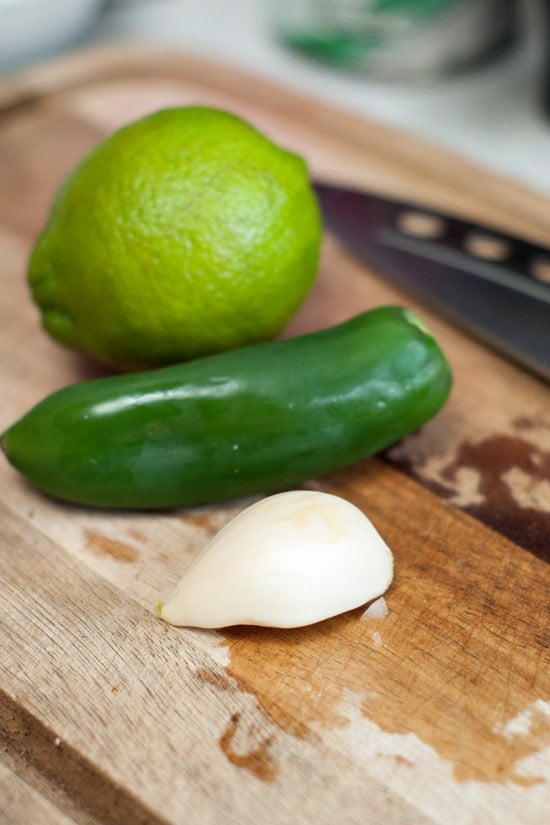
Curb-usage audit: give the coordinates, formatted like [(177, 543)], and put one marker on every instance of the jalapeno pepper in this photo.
[(251, 420)]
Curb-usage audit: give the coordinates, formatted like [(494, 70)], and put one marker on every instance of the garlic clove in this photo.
[(288, 560)]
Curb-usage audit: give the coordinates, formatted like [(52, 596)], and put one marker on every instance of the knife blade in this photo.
[(494, 285)]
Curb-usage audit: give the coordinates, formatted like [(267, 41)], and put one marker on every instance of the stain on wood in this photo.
[(504, 481), (213, 677), (402, 760), (115, 549), (257, 761), (199, 518), (514, 485)]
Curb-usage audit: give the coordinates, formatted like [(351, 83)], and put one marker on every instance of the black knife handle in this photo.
[(495, 285), (482, 245)]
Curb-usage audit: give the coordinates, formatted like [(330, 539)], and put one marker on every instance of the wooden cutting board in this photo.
[(438, 713)]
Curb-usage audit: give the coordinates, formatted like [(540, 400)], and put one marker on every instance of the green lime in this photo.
[(184, 233)]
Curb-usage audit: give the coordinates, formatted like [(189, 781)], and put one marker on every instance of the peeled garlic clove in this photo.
[(288, 560)]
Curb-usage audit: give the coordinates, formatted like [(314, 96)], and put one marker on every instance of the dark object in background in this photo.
[(543, 10)]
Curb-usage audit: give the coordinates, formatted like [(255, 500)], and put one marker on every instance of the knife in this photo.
[(494, 285)]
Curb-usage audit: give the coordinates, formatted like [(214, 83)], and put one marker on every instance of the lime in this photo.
[(184, 233)]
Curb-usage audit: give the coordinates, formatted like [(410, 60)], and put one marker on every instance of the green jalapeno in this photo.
[(251, 420)]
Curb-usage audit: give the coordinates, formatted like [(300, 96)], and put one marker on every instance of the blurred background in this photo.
[(470, 75)]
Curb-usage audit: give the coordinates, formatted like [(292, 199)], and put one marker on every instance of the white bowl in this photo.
[(33, 29)]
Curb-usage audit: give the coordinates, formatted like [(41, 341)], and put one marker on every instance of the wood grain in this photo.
[(20, 802), (439, 712)]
